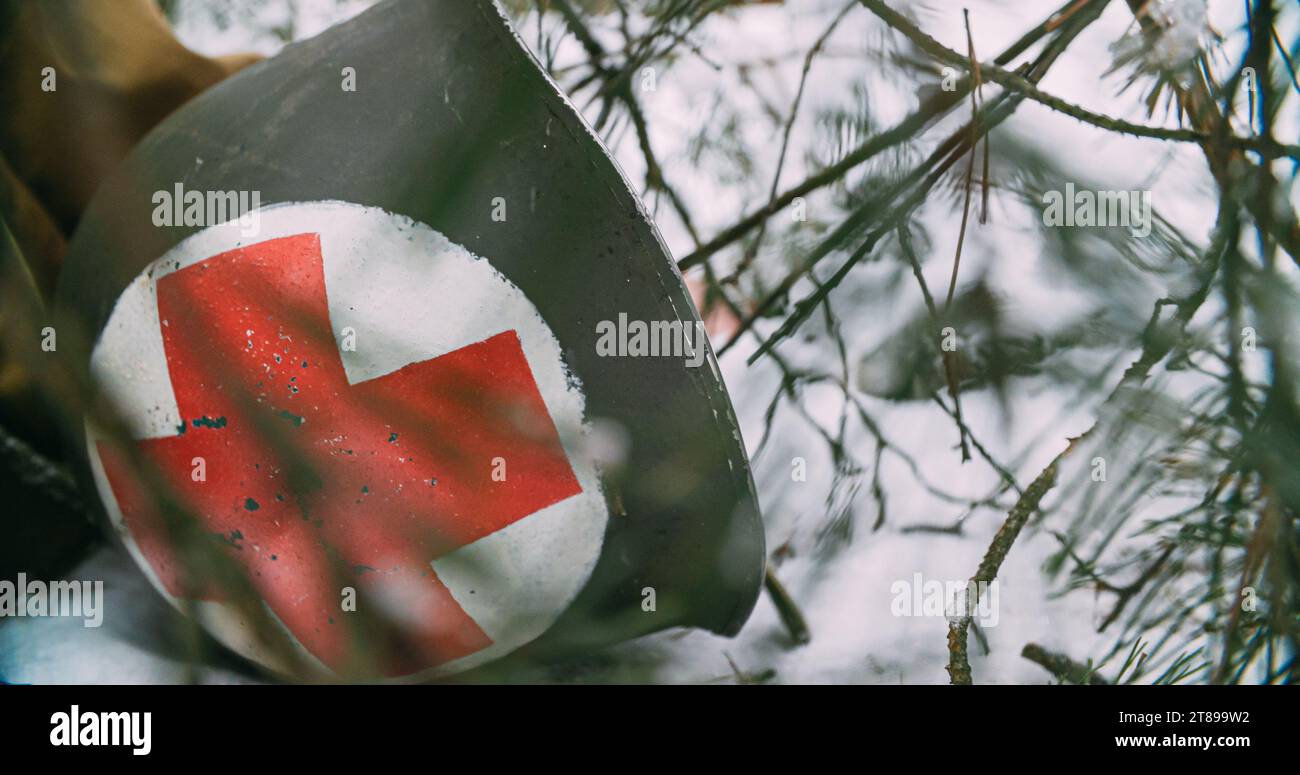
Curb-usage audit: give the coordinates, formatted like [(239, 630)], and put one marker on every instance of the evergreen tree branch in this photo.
[(953, 148), (930, 110), (1017, 83), (1062, 667), (1156, 344)]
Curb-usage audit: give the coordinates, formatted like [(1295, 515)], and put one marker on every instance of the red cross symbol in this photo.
[(400, 466)]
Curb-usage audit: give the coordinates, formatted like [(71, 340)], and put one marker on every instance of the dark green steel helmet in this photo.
[(402, 379)]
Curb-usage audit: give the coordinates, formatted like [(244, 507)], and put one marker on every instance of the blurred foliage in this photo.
[(1199, 441)]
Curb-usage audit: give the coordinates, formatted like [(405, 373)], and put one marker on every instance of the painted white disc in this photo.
[(408, 295)]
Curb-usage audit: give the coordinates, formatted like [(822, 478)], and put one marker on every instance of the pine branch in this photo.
[(930, 110), (1017, 83), (1156, 344), (1062, 667), (958, 663), (1231, 169), (952, 148)]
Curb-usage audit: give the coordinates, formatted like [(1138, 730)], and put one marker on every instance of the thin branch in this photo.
[(1062, 667), (752, 252), (619, 86), (958, 627), (1231, 169), (1156, 344), (929, 111), (1017, 83), (786, 609), (952, 148)]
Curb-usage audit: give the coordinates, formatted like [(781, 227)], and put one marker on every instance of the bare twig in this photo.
[(787, 609), (958, 663), (1062, 667)]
